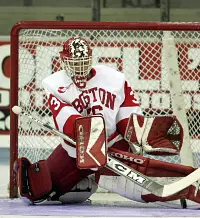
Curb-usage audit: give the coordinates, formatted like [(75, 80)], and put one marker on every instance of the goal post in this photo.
[(177, 98), (148, 53)]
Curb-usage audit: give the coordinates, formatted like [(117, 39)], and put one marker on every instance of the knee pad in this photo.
[(80, 192)]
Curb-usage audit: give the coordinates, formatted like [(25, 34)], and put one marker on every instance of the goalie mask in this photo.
[(77, 60)]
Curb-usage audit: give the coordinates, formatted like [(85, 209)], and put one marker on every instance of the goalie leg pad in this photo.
[(161, 171), (123, 187), (34, 180), (191, 194), (151, 167)]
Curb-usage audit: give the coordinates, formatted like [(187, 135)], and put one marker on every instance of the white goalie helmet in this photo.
[(76, 58)]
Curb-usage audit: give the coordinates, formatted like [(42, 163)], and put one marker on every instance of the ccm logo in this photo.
[(81, 144), (129, 173)]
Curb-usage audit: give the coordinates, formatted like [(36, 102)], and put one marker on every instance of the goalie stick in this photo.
[(123, 170)]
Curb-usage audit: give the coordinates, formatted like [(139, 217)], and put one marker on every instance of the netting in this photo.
[(139, 54)]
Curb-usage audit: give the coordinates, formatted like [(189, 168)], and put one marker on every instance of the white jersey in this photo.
[(106, 93)]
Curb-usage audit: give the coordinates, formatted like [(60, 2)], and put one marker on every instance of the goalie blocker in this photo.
[(90, 142)]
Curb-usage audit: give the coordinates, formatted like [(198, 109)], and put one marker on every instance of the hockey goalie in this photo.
[(94, 105)]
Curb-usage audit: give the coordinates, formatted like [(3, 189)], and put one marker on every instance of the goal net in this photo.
[(160, 61)]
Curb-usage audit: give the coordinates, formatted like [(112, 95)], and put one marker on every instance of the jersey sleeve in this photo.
[(64, 115), (130, 105)]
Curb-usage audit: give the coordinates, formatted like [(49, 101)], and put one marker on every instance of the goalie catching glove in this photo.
[(162, 135)]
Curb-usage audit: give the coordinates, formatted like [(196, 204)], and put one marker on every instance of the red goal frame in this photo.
[(66, 25)]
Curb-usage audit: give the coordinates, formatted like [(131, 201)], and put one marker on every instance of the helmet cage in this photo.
[(77, 66)]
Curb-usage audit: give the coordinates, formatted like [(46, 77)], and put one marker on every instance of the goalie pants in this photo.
[(64, 172)]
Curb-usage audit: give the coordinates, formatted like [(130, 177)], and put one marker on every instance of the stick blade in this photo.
[(183, 183), (90, 142)]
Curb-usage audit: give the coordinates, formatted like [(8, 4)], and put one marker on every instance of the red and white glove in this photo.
[(161, 135)]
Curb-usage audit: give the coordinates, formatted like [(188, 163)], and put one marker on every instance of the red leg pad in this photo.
[(34, 180)]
